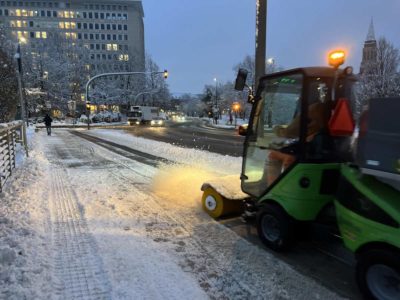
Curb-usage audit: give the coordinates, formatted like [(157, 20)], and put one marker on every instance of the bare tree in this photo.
[(380, 78), (8, 79), (8, 91)]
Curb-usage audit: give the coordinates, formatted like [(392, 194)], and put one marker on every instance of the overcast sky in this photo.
[(198, 40)]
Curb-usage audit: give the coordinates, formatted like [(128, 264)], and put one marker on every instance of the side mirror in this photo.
[(240, 82)]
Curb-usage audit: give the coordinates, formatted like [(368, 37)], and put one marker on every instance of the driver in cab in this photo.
[(319, 112)]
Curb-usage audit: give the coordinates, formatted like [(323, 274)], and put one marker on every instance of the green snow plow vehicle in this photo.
[(299, 167)]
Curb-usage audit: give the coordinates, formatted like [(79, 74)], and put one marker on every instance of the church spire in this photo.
[(371, 32)]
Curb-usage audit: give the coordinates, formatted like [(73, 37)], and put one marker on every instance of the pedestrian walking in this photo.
[(47, 122)]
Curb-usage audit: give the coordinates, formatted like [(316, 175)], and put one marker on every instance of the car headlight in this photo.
[(152, 122), (137, 122)]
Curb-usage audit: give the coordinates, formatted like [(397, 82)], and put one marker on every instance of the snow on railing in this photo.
[(10, 135)]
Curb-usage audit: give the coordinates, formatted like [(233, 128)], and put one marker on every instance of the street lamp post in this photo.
[(87, 100), (21, 96), (216, 102), (143, 93), (236, 108)]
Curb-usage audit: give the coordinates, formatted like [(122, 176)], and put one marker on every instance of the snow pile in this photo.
[(24, 260), (197, 159)]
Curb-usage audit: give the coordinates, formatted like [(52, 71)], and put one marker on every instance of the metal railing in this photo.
[(10, 135)]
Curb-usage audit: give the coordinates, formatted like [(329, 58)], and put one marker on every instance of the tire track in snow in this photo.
[(78, 268)]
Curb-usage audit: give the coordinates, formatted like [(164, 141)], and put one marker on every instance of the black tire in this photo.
[(378, 274), (275, 228)]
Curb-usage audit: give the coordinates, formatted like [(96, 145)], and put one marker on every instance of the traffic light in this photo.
[(165, 74)]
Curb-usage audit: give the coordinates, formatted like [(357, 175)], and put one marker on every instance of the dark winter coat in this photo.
[(47, 120)]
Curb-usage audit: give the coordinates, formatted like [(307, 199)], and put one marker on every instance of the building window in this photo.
[(91, 36), (123, 57), (42, 13), (108, 36), (79, 36), (54, 14), (97, 36), (96, 15), (114, 27), (114, 37), (91, 46), (119, 27), (103, 36), (84, 25), (101, 15), (126, 37), (70, 35), (84, 15), (97, 46), (108, 27), (112, 47), (103, 46), (90, 26), (41, 35), (85, 36), (96, 26), (79, 25), (125, 27), (102, 26), (90, 15)]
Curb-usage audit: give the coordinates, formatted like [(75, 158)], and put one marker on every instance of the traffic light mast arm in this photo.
[(87, 100)]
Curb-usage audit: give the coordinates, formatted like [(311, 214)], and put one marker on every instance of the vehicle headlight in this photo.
[(137, 122), (152, 122)]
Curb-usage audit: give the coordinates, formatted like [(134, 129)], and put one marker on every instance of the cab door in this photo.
[(278, 104)]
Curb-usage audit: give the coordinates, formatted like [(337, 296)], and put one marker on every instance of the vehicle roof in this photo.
[(308, 71)]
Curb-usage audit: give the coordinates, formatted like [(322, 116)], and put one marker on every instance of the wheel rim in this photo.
[(211, 203), (270, 228), (383, 282)]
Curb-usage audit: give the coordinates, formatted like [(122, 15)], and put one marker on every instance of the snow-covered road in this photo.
[(80, 221)]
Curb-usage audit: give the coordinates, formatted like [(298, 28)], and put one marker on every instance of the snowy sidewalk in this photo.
[(82, 222)]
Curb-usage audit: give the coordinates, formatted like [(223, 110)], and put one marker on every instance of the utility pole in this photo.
[(261, 37)]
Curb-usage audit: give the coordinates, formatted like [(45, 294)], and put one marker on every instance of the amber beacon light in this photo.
[(336, 58)]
